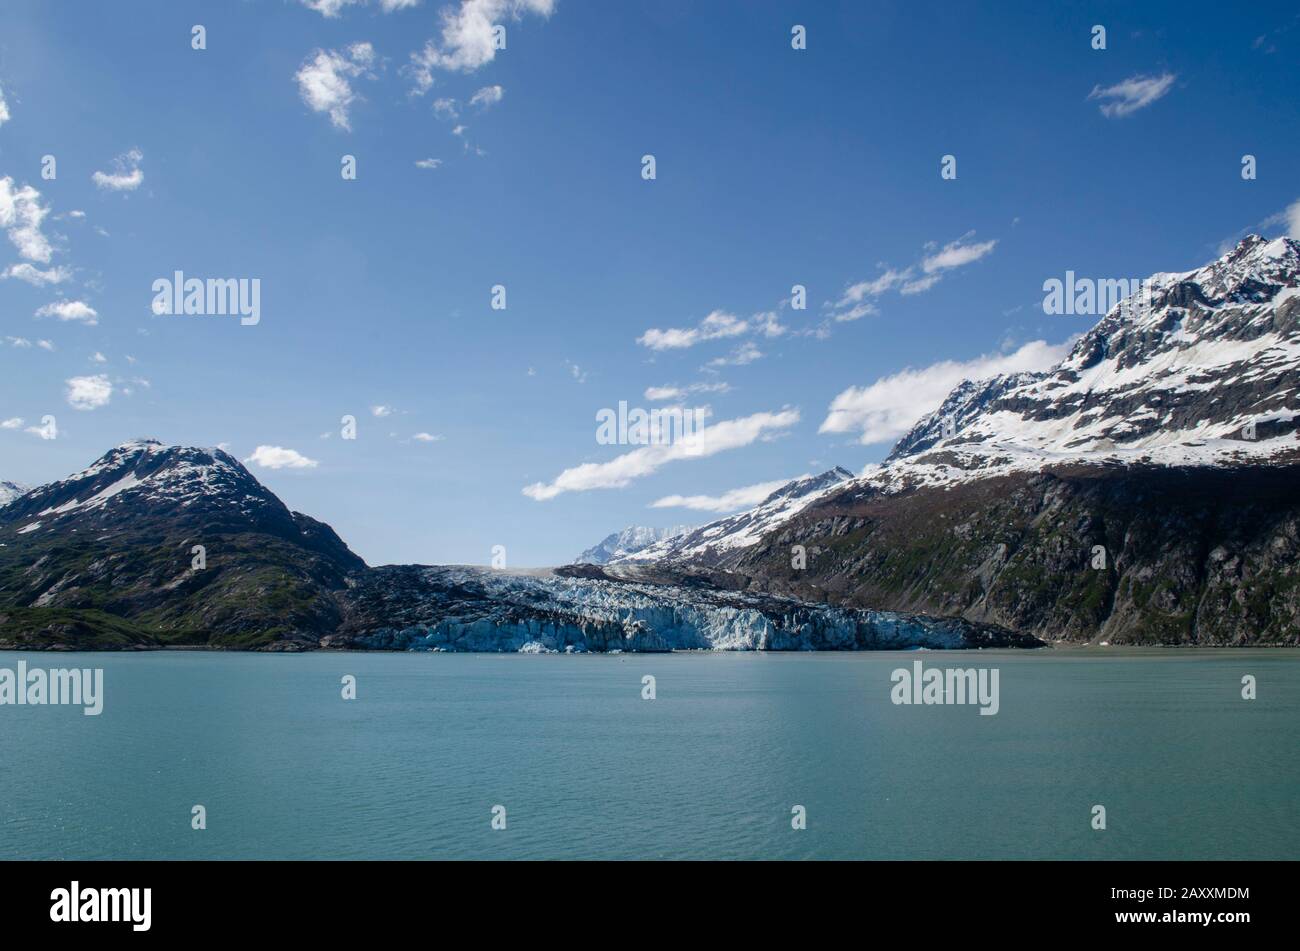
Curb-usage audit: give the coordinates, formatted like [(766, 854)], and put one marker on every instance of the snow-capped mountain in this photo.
[(1140, 492), (627, 542), (709, 543), (1202, 368), (108, 558), (145, 473), (120, 539), (10, 491)]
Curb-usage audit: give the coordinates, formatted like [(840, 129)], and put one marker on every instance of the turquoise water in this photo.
[(709, 769)]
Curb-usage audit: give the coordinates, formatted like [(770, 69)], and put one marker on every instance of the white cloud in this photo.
[(34, 275), (70, 310), (920, 285), (707, 441), (324, 80), (428, 437), (127, 175), (955, 254), (733, 500), (888, 408), (328, 8), (21, 215), (45, 345), (276, 457), (1136, 92), (718, 324), (15, 422), (89, 392), (381, 411), (445, 108), (1293, 220), (98, 357), (858, 300), (4, 108), (333, 8), (742, 355), (20, 342), (487, 96), (466, 42), (429, 163), (659, 394)]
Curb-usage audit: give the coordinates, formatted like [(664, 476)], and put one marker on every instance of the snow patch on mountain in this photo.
[(10, 491), (627, 542), (146, 472), (705, 545), (1203, 368)]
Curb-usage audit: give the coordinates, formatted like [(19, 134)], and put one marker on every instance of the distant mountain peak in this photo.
[(709, 543), (10, 491), (625, 542)]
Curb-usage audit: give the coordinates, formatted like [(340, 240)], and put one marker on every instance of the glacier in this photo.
[(463, 608)]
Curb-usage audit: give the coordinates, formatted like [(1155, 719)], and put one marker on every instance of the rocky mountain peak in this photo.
[(627, 541), (709, 543), (10, 491), (1197, 367)]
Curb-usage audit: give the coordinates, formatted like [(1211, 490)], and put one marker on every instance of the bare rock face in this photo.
[(1128, 555)]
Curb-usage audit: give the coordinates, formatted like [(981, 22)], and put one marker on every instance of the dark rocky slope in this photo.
[(104, 558), (1207, 556)]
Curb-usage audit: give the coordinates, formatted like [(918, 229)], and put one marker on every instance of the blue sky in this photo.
[(774, 167)]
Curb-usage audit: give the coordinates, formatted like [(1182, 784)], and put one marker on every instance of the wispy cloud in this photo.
[(487, 96), (740, 356), (324, 81), (957, 253), (34, 275), (860, 298), (126, 176), (730, 501), (277, 457), (333, 8), (428, 437), (428, 163), (638, 463), (4, 107), (717, 325), (888, 408), (380, 411), (659, 394), (1136, 92)]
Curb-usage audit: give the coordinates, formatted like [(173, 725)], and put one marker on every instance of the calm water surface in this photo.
[(709, 769)]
